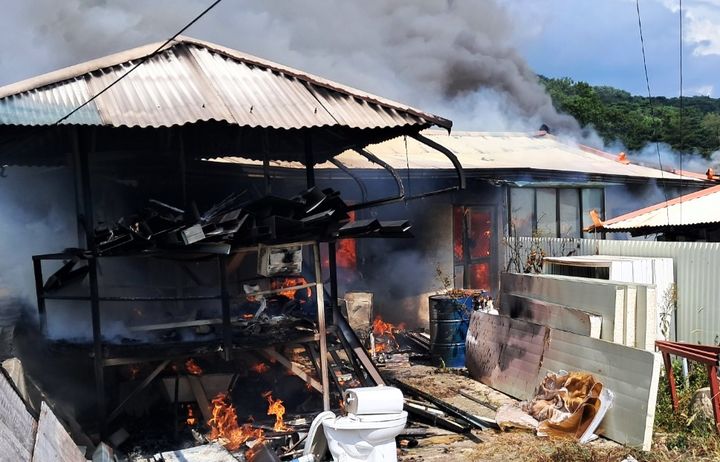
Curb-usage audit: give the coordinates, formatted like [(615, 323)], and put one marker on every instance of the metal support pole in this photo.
[(40, 292), (320, 296), (714, 393), (309, 161), (671, 380), (332, 259), (97, 343), (82, 149), (225, 300)]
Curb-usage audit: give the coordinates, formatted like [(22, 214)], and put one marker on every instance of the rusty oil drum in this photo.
[(449, 320)]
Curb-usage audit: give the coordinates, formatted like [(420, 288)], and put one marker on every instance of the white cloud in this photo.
[(701, 24), (703, 90)]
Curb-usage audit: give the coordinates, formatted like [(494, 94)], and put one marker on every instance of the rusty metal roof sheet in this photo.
[(480, 151), (697, 208), (192, 80)]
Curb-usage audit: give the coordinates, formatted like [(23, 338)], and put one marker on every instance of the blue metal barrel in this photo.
[(449, 320)]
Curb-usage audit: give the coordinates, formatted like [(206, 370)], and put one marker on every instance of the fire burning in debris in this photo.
[(290, 282), (382, 328), (224, 426), (260, 368), (384, 333), (192, 367), (191, 419), (277, 409)]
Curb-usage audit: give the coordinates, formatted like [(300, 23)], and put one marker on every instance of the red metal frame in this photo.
[(706, 354)]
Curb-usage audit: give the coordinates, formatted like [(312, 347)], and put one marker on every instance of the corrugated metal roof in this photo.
[(700, 207), (479, 151), (190, 81)]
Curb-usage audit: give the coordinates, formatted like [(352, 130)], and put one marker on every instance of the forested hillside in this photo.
[(618, 115)]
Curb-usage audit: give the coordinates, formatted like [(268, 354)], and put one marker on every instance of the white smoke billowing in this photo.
[(36, 206)]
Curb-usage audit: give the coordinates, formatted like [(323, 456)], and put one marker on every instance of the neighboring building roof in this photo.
[(192, 80), (478, 152), (698, 208)]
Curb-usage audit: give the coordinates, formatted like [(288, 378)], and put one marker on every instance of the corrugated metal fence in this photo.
[(697, 274)]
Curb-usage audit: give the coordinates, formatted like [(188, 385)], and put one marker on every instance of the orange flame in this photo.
[(382, 328), (192, 367), (191, 419), (260, 368), (276, 408), (224, 426), (290, 282)]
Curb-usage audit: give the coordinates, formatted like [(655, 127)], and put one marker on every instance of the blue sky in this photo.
[(598, 42)]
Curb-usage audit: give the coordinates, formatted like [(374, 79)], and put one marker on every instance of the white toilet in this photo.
[(375, 417)]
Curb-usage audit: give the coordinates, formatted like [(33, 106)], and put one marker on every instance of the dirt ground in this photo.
[(488, 445)]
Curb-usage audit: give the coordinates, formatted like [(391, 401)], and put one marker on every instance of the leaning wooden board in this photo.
[(53, 443), (17, 426), (631, 374)]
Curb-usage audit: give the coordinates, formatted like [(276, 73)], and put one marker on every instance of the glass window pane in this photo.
[(546, 212), (458, 248), (592, 199), (569, 213), (479, 276), (522, 204), (480, 233)]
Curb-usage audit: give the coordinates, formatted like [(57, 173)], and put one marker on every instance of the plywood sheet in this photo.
[(53, 443), (604, 298), (631, 374), (17, 426), (550, 314)]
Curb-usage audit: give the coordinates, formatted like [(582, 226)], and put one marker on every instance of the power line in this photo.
[(139, 63), (652, 111), (682, 107)]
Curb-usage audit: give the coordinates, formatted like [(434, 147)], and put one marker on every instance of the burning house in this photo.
[(229, 229), (518, 184)]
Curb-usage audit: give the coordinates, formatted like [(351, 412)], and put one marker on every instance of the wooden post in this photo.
[(320, 297)]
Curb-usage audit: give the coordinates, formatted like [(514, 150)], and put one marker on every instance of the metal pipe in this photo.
[(398, 181), (448, 153), (358, 181)]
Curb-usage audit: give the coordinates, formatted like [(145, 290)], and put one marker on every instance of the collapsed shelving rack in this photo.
[(105, 354)]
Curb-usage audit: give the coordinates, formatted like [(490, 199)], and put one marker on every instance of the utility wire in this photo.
[(682, 108), (652, 109), (139, 63)]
